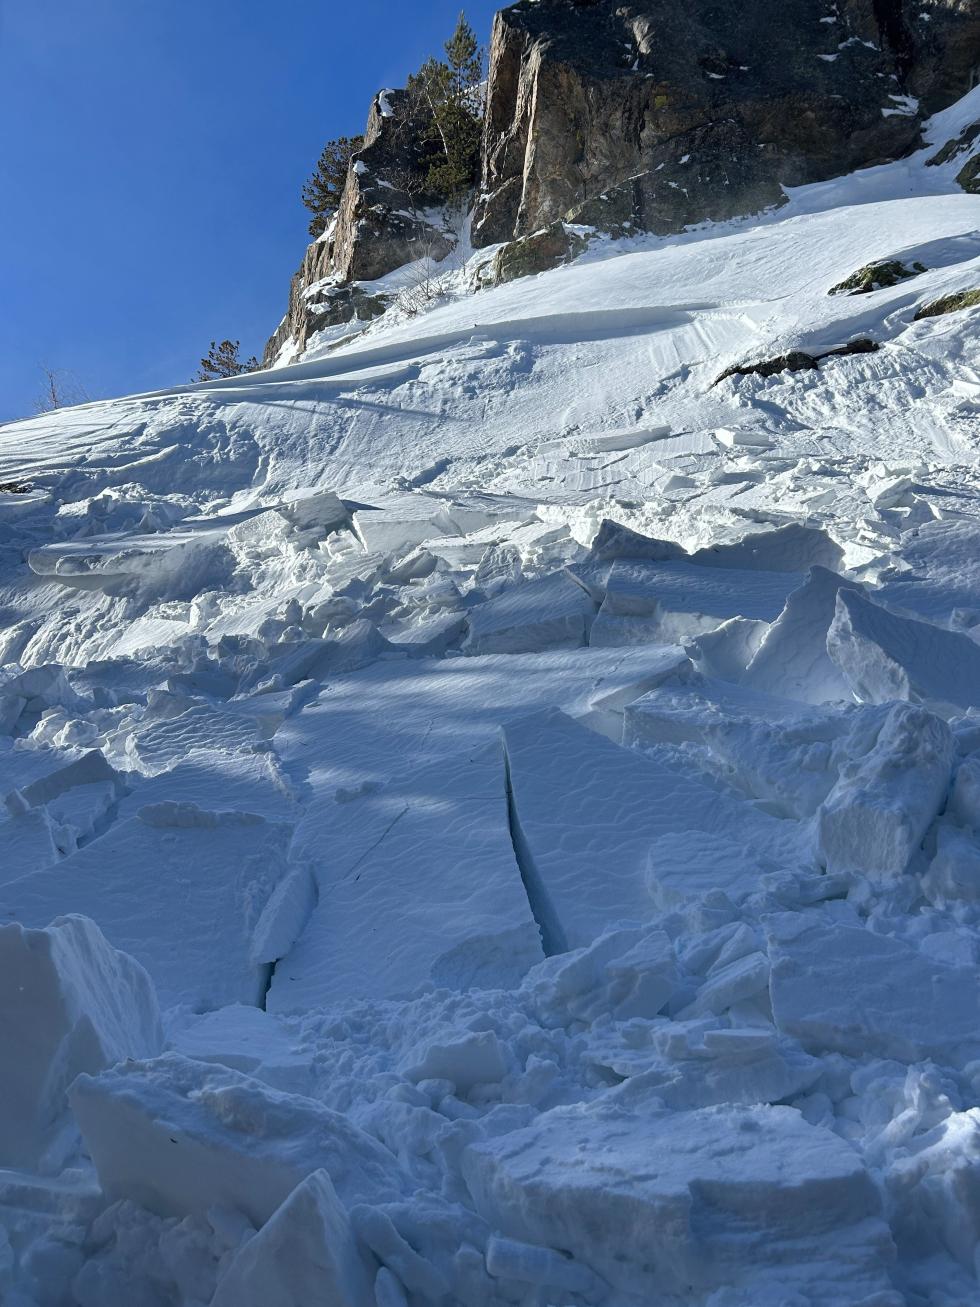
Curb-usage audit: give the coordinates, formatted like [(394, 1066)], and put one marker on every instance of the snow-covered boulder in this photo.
[(71, 1003)]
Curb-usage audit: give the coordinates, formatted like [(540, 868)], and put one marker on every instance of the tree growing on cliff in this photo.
[(446, 95), (321, 194), (223, 361)]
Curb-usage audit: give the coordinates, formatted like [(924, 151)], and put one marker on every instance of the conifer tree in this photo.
[(321, 194), (447, 93), (223, 361)]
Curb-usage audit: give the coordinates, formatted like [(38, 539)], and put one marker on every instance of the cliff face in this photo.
[(648, 116), (380, 226), (660, 114)]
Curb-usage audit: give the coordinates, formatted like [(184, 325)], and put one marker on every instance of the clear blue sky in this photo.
[(151, 159)]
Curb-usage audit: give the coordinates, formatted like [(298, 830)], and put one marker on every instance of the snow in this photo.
[(516, 799)]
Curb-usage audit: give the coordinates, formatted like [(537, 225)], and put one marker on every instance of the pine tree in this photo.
[(223, 361), (447, 94), (321, 194)]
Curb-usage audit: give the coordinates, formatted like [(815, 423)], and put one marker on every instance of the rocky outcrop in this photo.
[(540, 252), (384, 221), (656, 115)]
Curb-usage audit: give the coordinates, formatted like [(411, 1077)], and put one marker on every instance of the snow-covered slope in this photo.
[(536, 779)]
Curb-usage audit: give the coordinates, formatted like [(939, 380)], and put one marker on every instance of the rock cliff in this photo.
[(659, 114), (649, 116)]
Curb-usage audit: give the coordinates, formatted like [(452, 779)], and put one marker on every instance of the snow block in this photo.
[(883, 656), (549, 612), (845, 989), (71, 1003), (953, 875), (587, 816), (613, 540), (421, 885), (178, 887), (790, 548), (877, 814), (682, 1203), (180, 1136), (305, 1253), (793, 660)]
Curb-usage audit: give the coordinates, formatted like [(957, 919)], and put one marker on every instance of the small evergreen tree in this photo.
[(321, 194), (223, 361), (447, 93)]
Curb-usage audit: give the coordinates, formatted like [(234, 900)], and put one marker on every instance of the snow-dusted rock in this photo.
[(884, 656), (849, 990), (71, 1003), (180, 1136), (886, 796)]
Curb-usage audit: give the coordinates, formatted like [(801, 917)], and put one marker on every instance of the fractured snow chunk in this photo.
[(791, 548), (305, 1253), (30, 843), (165, 742), (883, 656), (588, 814), (954, 874), (847, 990), (178, 887), (730, 1065), (793, 660), (613, 540), (877, 814), (624, 974), (510, 1259), (421, 883), (476, 1058), (180, 1136), (549, 612), (682, 1203), (71, 1003)]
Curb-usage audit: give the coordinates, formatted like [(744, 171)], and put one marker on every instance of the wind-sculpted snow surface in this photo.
[(490, 817)]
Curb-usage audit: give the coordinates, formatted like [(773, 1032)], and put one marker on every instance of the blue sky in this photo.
[(151, 159)]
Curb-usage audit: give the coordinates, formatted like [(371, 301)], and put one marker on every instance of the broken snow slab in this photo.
[(673, 1206), (180, 1136), (400, 523), (305, 1253), (883, 656), (845, 989), (894, 783), (421, 884), (792, 660), (387, 718), (549, 612), (164, 742), (72, 1003), (178, 887), (678, 601), (600, 829), (218, 782)]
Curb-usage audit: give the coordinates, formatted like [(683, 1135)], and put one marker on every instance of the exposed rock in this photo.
[(876, 276), (798, 360), (655, 116), (384, 221), (545, 249), (958, 145), (968, 176), (961, 299)]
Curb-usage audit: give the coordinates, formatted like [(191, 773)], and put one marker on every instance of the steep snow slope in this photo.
[(539, 782)]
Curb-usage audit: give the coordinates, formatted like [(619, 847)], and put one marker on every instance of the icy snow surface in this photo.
[(492, 817)]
